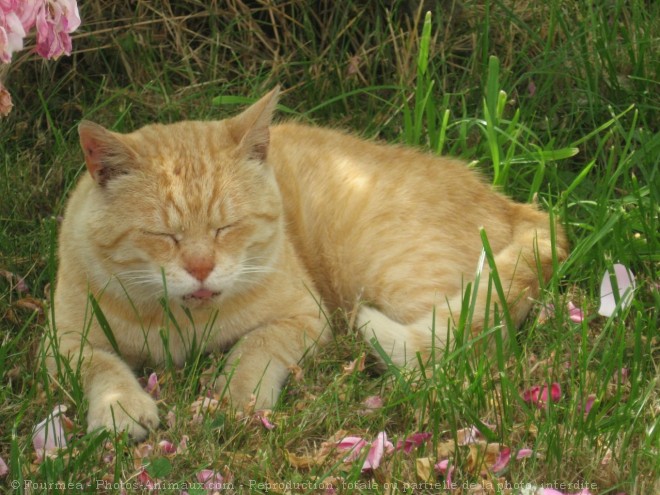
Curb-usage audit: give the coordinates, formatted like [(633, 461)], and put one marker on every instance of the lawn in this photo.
[(555, 102)]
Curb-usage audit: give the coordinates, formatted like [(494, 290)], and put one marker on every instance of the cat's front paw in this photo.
[(118, 409)]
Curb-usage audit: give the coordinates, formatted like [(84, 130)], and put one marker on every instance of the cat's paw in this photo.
[(119, 409), (245, 394)]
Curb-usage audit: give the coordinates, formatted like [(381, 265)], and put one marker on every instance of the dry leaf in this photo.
[(424, 468)]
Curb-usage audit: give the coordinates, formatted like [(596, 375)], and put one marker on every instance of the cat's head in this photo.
[(188, 210)]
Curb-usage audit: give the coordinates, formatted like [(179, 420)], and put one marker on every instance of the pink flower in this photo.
[(523, 453), (540, 395), (11, 34), (212, 480), (55, 22), (379, 447), (3, 468), (50, 435)]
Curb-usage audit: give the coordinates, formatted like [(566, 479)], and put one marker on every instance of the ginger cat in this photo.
[(255, 233)]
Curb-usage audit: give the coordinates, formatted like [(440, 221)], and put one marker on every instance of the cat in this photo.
[(255, 234)]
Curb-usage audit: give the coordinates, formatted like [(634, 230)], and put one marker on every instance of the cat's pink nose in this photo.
[(200, 268)]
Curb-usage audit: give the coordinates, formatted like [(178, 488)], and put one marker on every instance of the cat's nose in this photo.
[(200, 268)]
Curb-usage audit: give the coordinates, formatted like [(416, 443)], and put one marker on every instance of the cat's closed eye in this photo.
[(173, 238), (221, 230)]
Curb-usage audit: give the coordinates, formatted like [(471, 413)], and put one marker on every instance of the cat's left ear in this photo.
[(106, 154), (250, 130)]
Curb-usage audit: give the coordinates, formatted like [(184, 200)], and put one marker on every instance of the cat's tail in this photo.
[(517, 266)]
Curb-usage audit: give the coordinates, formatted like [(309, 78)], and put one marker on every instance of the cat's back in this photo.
[(363, 214)]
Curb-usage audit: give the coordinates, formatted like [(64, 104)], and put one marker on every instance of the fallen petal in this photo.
[(524, 453), (591, 398), (3, 468), (167, 447), (502, 460), (575, 314), (542, 395), (379, 447), (625, 281), (212, 480), (413, 441), (354, 444), (445, 469), (467, 436), (355, 365), (153, 387), (267, 424), (49, 435), (143, 450), (373, 402), (183, 445), (547, 312), (144, 480)]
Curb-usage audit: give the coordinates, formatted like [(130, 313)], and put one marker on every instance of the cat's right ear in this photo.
[(106, 155)]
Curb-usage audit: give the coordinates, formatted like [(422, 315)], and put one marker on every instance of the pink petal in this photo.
[(413, 441), (531, 88), (11, 35), (3, 468), (523, 453), (373, 402), (54, 25), (143, 450), (183, 445), (467, 436), (502, 460), (379, 447), (443, 468), (49, 435), (591, 398), (145, 480), (354, 444), (575, 314), (212, 480), (540, 395), (625, 281), (170, 419), (532, 394), (547, 311), (267, 424), (153, 387), (27, 11), (166, 447)]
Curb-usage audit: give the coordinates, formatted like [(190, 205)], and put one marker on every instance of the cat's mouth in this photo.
[(201, 295)]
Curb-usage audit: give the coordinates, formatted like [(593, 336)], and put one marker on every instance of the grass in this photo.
[(555, 102)]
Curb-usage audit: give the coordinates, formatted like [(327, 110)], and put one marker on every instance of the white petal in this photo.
[(625, 280)]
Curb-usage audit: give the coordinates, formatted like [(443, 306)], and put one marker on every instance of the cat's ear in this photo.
[(250, 130), (106, 154)]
